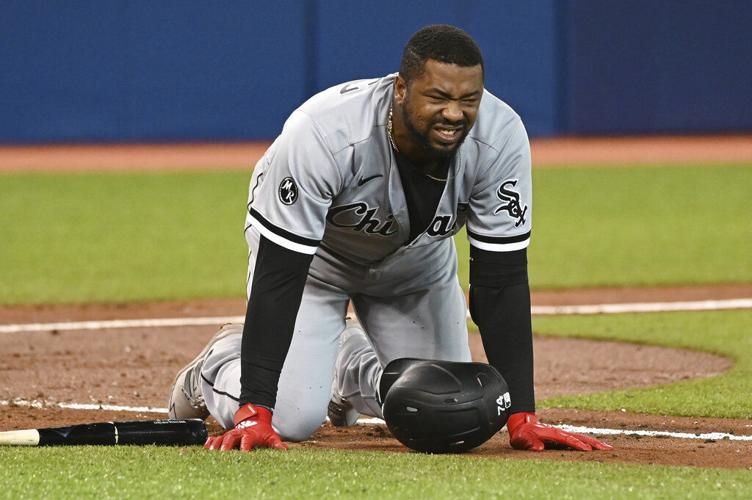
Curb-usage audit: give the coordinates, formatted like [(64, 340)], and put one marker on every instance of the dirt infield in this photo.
[(546, 152), (134, 367)]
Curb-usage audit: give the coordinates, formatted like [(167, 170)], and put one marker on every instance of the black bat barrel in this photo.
[(138, 432)]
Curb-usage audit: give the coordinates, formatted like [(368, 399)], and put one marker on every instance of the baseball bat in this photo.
[(138, 432)]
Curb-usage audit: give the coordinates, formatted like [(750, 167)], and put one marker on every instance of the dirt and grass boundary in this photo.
[(136, 367)]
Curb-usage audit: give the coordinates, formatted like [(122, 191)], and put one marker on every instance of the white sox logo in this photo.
[(288, 191), (511, 201)]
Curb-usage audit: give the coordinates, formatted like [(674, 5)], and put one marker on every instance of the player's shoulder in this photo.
[(497, 123), (348, 113)]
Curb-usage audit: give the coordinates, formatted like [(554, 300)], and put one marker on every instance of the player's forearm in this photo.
[(507, 338), (500, 306), (278, 282)]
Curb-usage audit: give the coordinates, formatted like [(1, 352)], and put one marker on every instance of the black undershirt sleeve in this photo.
[(277, 289), (500, 306)]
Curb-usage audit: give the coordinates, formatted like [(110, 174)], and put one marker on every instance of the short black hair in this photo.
[(440, 42)]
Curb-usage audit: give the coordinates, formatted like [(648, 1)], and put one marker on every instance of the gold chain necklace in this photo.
[(389, 132), (396, 149)]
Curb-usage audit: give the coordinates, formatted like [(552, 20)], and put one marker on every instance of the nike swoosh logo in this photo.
[(348, 88), (363, 180)]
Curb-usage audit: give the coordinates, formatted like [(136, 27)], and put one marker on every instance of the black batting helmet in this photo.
[(443, 406)]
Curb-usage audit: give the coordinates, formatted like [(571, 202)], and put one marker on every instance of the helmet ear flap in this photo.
[(444, 406)]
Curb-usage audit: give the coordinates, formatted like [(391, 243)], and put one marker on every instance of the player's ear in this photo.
[(400, 88)]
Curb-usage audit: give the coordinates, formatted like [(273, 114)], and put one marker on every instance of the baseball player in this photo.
[(356, 202)]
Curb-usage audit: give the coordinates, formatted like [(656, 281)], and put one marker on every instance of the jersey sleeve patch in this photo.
[(288, 191), (499, 243), (510, 202), (282, 237)]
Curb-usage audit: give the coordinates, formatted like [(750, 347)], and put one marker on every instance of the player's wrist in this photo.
[(249, 411), (520, 418)]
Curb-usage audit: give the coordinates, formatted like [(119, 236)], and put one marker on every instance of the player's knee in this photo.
[(298, 426)]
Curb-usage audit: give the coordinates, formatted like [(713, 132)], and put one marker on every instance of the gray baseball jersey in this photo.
[(329, 185), (331, 180)]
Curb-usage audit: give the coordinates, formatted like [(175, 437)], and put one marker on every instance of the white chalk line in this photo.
[(715, 436), (35, 403), (640, 307), (119, 323), (711, 436), (645, 307)]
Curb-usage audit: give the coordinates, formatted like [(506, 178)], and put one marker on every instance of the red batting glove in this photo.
[(253, 429), (526, 433)]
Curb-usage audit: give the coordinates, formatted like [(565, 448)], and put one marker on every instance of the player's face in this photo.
[(440, 106)]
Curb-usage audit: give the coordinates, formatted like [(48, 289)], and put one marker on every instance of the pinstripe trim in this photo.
[(217, 391), (281, 237), (498, 239), (499, 243)]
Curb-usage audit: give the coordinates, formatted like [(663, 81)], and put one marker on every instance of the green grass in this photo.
[(639, 226), (728, 333), (166, 473), (135, 236), (122, 237), (642, 226)]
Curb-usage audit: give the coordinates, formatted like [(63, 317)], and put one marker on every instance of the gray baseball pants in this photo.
[(410, 305)]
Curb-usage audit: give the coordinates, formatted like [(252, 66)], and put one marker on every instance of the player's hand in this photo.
[(253, 429), (526, 433)]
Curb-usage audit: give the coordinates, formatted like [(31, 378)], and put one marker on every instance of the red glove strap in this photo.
[(247, 411), (518, 419)]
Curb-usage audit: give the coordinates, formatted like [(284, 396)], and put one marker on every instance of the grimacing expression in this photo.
[(440, 106)]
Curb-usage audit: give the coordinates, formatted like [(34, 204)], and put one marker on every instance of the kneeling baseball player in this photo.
[(357, 202)]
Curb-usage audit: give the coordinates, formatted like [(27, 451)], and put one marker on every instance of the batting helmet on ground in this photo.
[(443, 406)]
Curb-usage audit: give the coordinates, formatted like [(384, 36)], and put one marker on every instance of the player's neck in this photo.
[(413, 150)]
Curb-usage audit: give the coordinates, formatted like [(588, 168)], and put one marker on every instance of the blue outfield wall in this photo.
[(667, 66), (134, 70)]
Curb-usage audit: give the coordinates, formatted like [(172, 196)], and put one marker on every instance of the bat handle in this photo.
[(26, 437)]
